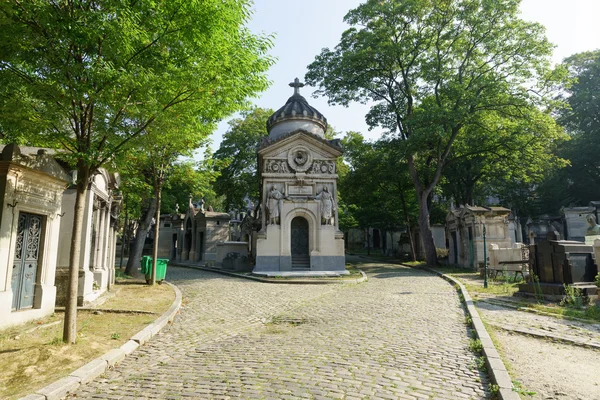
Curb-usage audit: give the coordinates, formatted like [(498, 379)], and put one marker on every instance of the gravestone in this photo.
[(555, 263)]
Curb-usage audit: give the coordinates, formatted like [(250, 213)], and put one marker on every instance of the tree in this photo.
[(165, 142), (431, 68), (238, 178), (498, 154), (96, 74), (190, 179), (582, 121), (377, 179)]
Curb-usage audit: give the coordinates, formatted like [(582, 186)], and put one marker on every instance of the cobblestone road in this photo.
[(401, 335)]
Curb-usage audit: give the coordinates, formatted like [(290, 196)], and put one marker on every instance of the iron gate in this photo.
[(27, 249)]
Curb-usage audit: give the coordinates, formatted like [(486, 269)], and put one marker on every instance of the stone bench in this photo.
[(508, 266), (503, 260)]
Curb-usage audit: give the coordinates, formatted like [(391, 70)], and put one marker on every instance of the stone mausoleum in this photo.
[(298, 178)]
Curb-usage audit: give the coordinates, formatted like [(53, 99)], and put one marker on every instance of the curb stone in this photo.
[(95, 368), (495, 365), (290, 281)]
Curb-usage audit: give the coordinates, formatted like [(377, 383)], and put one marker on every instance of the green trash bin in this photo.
[(161, 269), (146, 264)]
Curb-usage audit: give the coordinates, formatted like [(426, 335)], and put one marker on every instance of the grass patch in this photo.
[(33, 355), (590, 313), (415, 263)]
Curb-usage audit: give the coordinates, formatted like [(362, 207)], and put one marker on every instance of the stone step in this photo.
[(300, 263)]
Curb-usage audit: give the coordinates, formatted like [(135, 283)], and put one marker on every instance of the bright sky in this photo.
[(303, 28)]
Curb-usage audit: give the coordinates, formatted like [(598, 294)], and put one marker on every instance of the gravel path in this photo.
[(401, 335), (538, 354)]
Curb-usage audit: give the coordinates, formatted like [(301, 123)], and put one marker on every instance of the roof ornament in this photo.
[(296, 85)]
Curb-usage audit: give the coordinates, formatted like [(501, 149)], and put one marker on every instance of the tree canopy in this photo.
[(238, 178), (91, 76), (431, 69)]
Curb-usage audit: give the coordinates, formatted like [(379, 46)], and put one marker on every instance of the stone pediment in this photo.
[(35, 158), (322, 148), (301, 152), (470, 211)]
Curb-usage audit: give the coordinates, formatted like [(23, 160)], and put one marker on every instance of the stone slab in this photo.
[(113, 357), (60, 388), (328, 263), (302, 274), (33, 397), (130, 347), (143, 336), (90, 371)]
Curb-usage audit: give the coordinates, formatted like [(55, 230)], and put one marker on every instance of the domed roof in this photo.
[(297, 108)]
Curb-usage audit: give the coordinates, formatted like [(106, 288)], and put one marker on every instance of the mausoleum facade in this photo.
[(298, 178)]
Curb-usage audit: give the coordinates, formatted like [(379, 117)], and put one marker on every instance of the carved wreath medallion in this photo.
[(300, 158)]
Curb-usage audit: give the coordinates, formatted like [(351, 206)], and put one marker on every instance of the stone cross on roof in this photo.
[(296, 85)]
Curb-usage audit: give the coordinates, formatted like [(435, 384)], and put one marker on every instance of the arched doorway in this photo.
[(299, 244)]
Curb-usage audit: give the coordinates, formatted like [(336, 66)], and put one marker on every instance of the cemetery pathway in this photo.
[(541, 354), (401, 335)]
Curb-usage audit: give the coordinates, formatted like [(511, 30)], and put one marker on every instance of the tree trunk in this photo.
[(426, 234), (157, 193), (407, 219), (140, 237), (70, 324), (423, 198)]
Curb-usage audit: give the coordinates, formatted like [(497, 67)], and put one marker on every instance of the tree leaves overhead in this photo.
[(239, 178), (579, 183), (431, 69), (96, 73)]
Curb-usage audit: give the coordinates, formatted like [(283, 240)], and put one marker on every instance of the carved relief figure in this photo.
[(301, 157), (274, 200), (328, 206), (316, 167), (277, 166), (593, 228), (322, 167)]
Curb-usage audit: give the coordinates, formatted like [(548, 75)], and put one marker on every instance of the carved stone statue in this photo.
[(328, 206), (593, 228), (274, 200)]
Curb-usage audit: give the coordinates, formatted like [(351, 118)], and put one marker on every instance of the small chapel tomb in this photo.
[(298, 177)]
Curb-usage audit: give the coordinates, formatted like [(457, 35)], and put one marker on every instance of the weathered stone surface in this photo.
[(144, 335), (401, 335), (33, 397), (130, 347), (114, 356), (59, 389), (90, 371)]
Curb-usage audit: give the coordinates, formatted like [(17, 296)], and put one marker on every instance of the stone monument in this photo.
[(297, 169)]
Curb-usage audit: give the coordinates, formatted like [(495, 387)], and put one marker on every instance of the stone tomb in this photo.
[(195, 238), (98, 239), (556, 263), (299, 219), (31, 190), (465, 232)]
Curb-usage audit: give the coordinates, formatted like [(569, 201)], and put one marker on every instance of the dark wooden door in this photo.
[(299, 236), (25, 260), (299, 245)]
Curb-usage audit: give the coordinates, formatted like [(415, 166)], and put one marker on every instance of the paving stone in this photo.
[(399, 335)]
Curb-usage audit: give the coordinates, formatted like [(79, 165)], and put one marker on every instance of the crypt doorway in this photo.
[(299, 244)]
